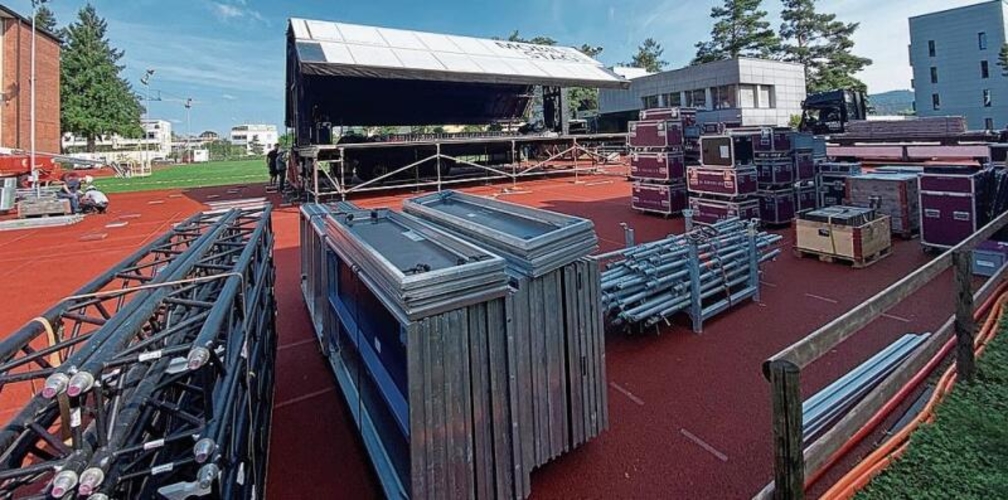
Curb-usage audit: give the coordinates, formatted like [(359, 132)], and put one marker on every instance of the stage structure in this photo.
[(341, 76)]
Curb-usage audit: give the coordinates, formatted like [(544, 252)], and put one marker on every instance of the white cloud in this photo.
[(235, 10), (228, 97)]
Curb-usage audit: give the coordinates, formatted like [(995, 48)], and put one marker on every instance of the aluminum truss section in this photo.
[(172, 395)]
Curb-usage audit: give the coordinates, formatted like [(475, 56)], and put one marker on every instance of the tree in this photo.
[(45, 19), (96, 99), (538, 40), (740, 30), (256, 147), (822, 45), (649, 56), (581, 98), (286, 140)]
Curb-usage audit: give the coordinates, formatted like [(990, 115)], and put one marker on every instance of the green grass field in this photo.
[(964, 453), (218, 173)]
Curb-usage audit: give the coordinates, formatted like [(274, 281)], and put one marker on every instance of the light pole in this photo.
[(34, 167), (145, 81)]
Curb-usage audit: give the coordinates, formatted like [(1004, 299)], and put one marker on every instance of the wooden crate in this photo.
[(43, 207), (859, 245)]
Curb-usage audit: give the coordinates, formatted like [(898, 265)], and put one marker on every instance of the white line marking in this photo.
[(824, 299), (305, 397), (296, 344), (897, 318), (703, 444), (767, 283), (627, 393)]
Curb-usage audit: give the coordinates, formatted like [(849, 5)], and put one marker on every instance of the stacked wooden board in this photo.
[(922, 127), (895, 195), (661, 145), (554, 305), (463, 400)]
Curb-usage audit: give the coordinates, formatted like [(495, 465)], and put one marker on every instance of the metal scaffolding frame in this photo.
[(565, 155)]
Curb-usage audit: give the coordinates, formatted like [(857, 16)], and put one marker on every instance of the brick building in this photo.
[(15, 62)]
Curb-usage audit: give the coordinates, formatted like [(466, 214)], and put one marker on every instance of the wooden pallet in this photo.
[(854, 263)]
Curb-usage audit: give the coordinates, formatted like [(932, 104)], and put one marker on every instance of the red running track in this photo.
[(690, 414)]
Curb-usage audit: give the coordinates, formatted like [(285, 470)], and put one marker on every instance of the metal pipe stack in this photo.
[(830, 403), (163, 390), (558, 338), (703, 273)]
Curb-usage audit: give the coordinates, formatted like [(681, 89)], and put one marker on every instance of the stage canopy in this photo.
[(350, 74)]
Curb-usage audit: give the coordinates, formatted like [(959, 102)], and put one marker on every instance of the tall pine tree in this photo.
[(823, 45), (583, 98), (45, 19), (97, 100), (740, 30), (649, 56)]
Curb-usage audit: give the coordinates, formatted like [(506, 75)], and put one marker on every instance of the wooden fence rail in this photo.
[(792, 461)]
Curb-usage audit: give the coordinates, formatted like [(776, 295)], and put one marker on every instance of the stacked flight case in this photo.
[(662, 144), (784, 162), (831, 181), (724, 185), (895, 195), (955, 201)]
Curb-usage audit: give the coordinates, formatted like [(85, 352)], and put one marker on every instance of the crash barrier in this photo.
[(156, 377), (469, 353)]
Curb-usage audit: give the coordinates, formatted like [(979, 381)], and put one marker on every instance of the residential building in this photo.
[(15, 85), (251, 134), (954, 55), (748, 91), (155, 144)]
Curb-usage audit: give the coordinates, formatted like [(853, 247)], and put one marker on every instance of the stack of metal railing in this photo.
[(703, 272), (158, 374), (829, 404), (418, 342), (558, 346)]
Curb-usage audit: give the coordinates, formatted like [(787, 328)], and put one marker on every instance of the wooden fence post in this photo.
[(962, 261), (789, 459)]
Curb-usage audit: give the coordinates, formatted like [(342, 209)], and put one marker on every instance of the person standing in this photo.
[(280, 165), (271, 159)]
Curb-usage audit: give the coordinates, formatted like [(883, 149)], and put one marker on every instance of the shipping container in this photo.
[(709, 211), (659, 198), (728, 182), (657, 166), (657, 134), (726, 150)]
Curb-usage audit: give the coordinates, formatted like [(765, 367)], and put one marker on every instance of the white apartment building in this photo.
[(251, 133), (155, 144)]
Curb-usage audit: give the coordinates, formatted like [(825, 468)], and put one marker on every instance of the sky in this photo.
[(228, 55)]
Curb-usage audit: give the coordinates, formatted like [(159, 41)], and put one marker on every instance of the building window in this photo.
[(988, 124), (766, 97), (931, 48), (987, 98), (934, 74), (724, 97), (672, 99), (696, 98), (984, 70), (982, 40), (747, 96), (935, 102), (650, 101)]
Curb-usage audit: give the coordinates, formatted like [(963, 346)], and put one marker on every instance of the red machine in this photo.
[(19, 165)]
